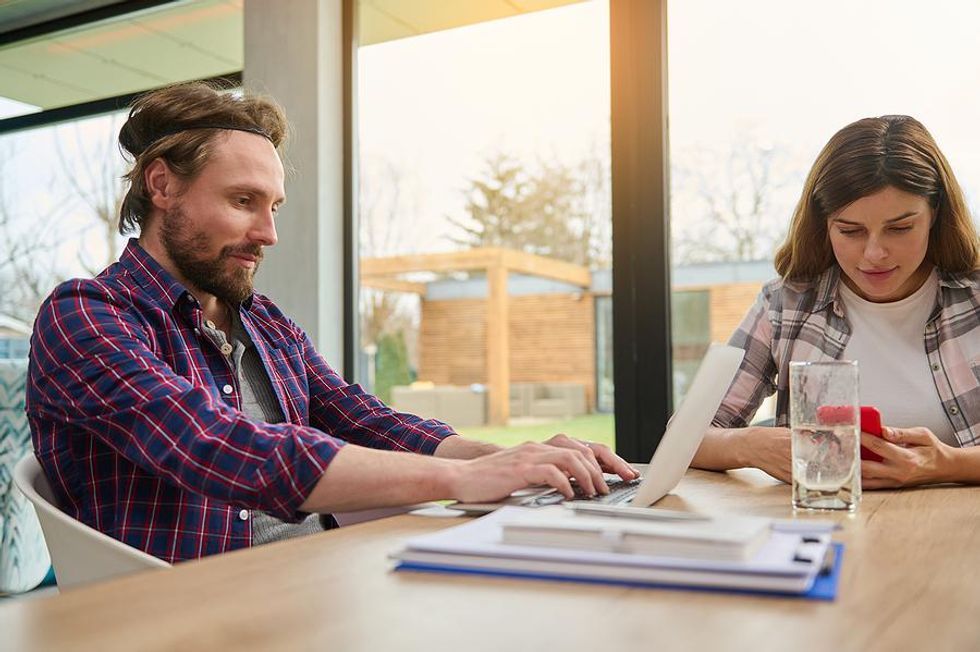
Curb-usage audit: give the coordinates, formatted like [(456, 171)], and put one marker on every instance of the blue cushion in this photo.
[(24, 560)]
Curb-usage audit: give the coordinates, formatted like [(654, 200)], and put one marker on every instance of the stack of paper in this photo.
[(784, 562), (729, 538)]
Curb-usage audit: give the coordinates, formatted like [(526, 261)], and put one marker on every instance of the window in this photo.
[(484, 212), (60, 190), (758, 87)]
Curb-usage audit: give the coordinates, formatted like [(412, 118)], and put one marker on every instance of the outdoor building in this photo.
[(556, 334)]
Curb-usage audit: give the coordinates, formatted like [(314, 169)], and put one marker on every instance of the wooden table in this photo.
[(910, 581)]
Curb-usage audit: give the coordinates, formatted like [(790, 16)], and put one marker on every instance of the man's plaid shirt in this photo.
[(135, 414), (801, 321)]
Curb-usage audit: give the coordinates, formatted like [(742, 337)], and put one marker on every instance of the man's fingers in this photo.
[(588, 476), (552, 476), (605, 460), (613, 463), (596, 482)]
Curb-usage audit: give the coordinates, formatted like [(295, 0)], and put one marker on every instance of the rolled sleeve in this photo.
[(755, 378)]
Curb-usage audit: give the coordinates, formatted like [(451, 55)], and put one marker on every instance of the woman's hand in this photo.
[(770, 449), (736, 448), (910, 456)]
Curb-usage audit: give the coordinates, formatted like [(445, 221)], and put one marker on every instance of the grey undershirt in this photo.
[(259, 403)]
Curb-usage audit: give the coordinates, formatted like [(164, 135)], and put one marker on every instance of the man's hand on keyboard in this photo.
[(606, 460), (495, 476)]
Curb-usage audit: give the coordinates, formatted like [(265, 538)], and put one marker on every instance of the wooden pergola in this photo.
[(384, 274)]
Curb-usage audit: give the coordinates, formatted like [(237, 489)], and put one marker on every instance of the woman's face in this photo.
[(880, 243)]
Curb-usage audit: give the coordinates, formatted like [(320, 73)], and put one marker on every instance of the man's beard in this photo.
[(186, 250)]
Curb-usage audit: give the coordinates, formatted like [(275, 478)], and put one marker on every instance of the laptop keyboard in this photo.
[(620, 491)]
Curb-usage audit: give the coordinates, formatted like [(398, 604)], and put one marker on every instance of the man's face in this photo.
[(215, 231)]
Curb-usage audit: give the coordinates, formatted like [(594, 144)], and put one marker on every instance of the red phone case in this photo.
[(871, 424)]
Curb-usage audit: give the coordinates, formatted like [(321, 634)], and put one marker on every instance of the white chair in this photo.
[(80, 554)]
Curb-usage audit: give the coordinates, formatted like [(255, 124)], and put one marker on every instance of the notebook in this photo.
[(787, 563), (673, 456), (726, 537)]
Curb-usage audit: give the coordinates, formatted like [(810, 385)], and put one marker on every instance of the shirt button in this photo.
[(954, 410), (243, 514), (227, 389), (226, 348), (209, 324), (935, 366)]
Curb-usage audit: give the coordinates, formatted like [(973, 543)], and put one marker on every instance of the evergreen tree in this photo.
[(539, 212), (391, 365)]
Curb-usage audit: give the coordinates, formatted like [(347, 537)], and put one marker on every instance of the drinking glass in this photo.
[(826, 434)]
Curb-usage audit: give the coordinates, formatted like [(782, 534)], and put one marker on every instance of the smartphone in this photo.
[(871, 424)]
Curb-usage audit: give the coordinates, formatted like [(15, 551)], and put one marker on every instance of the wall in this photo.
[(729, 303), (552, 338)]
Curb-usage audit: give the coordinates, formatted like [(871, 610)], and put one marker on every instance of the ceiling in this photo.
[(183, 40), (172, 42), (387, 20), (17, 14)]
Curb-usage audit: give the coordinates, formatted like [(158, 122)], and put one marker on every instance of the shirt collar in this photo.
[(967, 281), (151, 275), (826, 290)]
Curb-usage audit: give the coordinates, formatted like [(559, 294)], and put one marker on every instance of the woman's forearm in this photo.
[(965, 466), (721, 449), (735, 448)]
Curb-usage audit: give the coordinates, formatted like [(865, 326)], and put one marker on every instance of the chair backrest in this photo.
[(80, 554)]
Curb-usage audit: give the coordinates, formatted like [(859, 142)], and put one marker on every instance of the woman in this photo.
[(881, 266)]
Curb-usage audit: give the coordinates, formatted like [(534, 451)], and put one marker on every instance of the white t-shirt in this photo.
[(887, 340)]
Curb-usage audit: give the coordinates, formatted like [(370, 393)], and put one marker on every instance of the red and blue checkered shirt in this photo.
[(136, 420)]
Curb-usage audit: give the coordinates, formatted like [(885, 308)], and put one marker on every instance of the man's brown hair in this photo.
[(861, 159), (179, 124)]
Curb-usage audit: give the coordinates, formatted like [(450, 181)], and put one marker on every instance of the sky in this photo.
[(785, 74)]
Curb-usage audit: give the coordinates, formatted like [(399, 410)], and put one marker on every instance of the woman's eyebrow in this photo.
[(902, 216), (888, 221)]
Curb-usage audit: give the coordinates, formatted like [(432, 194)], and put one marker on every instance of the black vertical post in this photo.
[(641, 235), (351, 323)]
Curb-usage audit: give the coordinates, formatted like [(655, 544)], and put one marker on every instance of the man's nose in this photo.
[(264, 230)]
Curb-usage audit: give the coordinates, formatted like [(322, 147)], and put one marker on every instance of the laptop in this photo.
[(673, 456)]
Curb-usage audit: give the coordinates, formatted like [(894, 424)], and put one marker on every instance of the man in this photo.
[(178, 411)]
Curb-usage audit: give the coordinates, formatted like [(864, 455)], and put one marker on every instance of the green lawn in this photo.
[(592, 427)]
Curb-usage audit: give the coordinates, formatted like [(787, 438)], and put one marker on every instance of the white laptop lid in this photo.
[(687, 426)]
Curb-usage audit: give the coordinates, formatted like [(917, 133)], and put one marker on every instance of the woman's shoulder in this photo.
[(782, 292)]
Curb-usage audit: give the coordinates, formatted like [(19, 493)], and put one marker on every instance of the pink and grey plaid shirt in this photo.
[(800, 321), (135, 414)]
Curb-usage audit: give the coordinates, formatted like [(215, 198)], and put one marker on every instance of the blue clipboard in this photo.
[(824, 587)]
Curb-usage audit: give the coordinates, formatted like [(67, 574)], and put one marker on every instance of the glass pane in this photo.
[(758, 87), (484, 207), (130, 53), (60, 190)]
